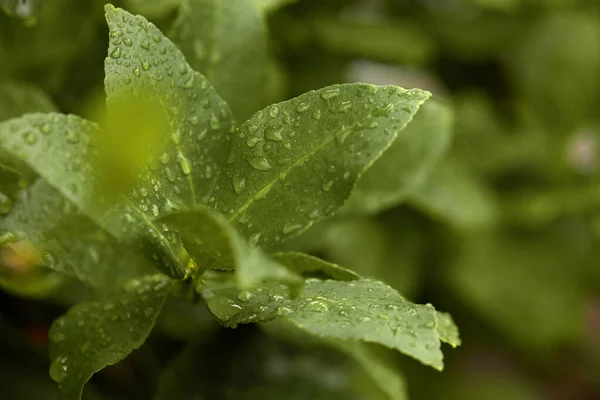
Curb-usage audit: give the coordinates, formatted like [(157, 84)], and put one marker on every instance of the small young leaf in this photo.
[(93, 335), (305, 264), (362, 309), (294, 163), (406, 164), (230, 48), (213, 243), (447, 329)]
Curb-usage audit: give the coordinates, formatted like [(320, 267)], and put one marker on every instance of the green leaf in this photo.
[(18, 98), (93, 335), (70, 242), (406, 164), (59, 148), (260, 366), (230, 48), (213, 243), (447, 329), (305, 264), (294, 163), (362, 310), (520, 283), (454, 195)]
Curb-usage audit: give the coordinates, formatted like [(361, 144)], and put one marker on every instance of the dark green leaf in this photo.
[(24, 9), (213, 243), (406, 164), (93, 335), (294, 163), (362, 310), (230, 48), (271, 369)]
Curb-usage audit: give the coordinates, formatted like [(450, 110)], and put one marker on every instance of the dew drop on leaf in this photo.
[(260, 163)]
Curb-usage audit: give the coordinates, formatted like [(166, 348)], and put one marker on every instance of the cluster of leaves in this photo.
[(167, 180), (482, 200)]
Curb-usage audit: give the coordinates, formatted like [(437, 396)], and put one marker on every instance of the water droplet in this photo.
[(128, 42), (316, 115), (290, 228), (343, 313), (245, 296), (274, 111), (282, 311), (239, 184), (274, 133), (302, 107), (223, 308), (383, 317), (259, 163), (342, 135), (148, 312), (59, 369), (344, 106), (252, 128), (194, 119), (330, 94), (184, 163), (252, 141), (317, 306), (155, 210), (392, 307), (214, 122), (46, 129), (30, 137), (72, 136), (85, 347), (116, 53), (253, 241), (327, 186)]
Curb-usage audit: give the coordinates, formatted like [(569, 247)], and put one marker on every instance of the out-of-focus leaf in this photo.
[(268, 6), (93, 335), (406, 164), (229, 47), (25, 9), (457, 197), (402, 43), (557, 73), (18, 98), (266, 368), (361, 310), (531, 288), (296, 162)]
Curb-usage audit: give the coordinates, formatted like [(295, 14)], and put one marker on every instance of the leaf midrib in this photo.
[(299, 161)]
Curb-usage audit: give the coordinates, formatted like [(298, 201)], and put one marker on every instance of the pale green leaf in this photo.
[(213, 243), (59, 148), (305, 264), (230, 48), (447, 329), (406, 164), (18, 98), (70, 242), (362, 310), (296, 162), (93, 335), (456, 196)]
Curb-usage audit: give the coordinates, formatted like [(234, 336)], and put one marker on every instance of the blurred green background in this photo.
[(503, 234)]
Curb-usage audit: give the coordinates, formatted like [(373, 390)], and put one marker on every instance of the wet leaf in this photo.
[(406, 164), (70, 242), (230, 48), (296, 162), (362, 310), (93, 335)]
